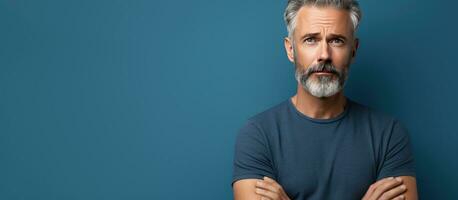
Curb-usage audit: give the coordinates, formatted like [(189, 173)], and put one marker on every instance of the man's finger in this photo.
[(266, 185), (374, 186), (269, 179), (382, 181), (400, 197), (272, 181), (385, 187), (267, 193), (394, 192)]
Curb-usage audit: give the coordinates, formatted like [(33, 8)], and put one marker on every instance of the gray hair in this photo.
[(294, 5)]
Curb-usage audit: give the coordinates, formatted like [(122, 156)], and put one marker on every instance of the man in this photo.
[(319, 144)]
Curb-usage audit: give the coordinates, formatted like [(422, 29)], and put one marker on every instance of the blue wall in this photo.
[(142, 99)]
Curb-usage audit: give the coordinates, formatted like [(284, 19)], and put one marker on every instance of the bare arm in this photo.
[(384, 189), (264, 189), (399, 188), (411, 184), (245, 190)]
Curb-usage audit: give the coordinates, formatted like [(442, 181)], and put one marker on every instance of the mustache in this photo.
[(302, 75), (322, 67)]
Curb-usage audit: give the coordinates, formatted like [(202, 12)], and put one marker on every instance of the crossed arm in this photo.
[(384, 189)]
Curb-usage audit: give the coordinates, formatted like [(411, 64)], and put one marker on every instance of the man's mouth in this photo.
[(323, 72)]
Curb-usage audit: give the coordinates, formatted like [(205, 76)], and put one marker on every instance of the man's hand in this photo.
[(386, 189), (269, 189)]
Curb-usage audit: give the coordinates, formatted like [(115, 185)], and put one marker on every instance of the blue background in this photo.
[(142, 99)]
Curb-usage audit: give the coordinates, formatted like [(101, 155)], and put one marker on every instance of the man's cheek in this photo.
[(342, 58)]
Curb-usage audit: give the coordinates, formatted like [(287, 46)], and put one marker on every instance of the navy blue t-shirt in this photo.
[(336, 158)]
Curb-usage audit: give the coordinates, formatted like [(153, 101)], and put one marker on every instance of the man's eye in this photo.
[(310, 40), (337, 41)]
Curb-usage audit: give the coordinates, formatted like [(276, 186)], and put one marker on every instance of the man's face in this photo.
[(322, 49)]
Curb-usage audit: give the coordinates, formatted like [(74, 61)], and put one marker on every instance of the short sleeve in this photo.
[(252, 158), (398, 159)]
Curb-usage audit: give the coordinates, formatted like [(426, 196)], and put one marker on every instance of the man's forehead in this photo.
[(311, 19)]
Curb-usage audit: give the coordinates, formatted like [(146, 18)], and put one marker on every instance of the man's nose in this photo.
[(325, 52)]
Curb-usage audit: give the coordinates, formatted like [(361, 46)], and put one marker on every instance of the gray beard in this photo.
[(324, 85)]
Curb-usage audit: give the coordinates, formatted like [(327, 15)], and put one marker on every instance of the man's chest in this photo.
[(316, 165)]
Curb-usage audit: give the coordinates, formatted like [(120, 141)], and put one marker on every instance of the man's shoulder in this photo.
[(269, 115), (373, 115)]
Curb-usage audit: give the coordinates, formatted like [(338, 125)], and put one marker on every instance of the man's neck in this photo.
[(319, 108)]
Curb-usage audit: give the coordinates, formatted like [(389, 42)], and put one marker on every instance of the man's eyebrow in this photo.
[(307, 35), (337, 36)]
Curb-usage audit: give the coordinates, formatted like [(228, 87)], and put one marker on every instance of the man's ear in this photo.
[(289, 49)]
